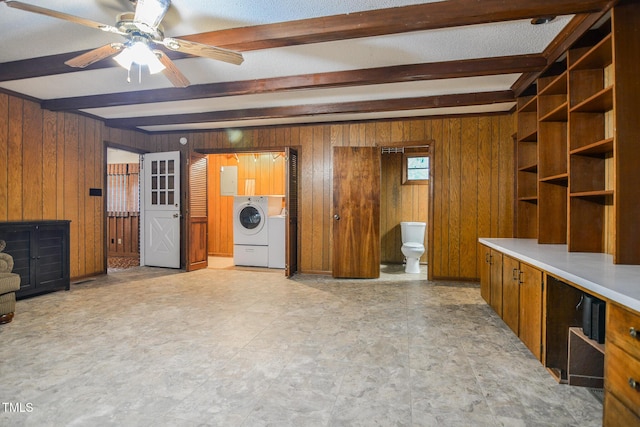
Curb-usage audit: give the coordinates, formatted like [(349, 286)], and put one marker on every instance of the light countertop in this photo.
[(594, 272)]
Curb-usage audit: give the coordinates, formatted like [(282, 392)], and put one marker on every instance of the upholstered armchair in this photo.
[(9, 284)]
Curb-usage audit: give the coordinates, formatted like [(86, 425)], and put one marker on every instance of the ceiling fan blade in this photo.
[(95, 55), (203, 50), (172, 72), (151, 12), (64, 16)]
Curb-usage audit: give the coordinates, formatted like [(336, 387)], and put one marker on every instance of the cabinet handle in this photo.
[(514, 275), (633, 332), (633, 384), (520, 277), (486, 257)]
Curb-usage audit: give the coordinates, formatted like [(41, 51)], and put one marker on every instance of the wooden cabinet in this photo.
[(511, 293), (543, 289), (530, 320), (622, 367), (491, 278), (577, 144), (514, 291), (522, 302), (40, 251)]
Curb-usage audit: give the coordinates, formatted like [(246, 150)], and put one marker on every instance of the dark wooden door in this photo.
[(291, 245), (356, 212), (197, 252)]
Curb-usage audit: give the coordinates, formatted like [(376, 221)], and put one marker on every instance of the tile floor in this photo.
[(233, 347)]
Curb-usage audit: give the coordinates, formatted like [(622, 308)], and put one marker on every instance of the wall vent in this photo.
[(389, 150)]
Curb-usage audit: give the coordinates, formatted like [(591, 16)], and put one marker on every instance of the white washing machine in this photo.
[(250, 229)]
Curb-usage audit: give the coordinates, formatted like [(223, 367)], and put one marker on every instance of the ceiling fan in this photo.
[(141, 30)]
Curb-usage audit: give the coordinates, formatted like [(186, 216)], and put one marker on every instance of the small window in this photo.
[(415, 168)]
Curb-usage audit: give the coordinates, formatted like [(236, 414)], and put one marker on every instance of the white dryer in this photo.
[(250, 229)]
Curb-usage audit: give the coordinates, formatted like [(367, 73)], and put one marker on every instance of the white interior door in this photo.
[(161, 217)]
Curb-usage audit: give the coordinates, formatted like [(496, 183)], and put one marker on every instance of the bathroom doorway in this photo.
[(401, 200)]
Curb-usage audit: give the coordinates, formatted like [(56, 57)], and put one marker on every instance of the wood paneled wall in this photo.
[(50, 160), (472, 189), (268, 172), (123, 235), (48, 163)]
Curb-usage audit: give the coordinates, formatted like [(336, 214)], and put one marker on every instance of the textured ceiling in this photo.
[(26, 35)]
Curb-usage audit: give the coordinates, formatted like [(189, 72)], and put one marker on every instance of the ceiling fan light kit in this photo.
[(138, 52), (141, 29)]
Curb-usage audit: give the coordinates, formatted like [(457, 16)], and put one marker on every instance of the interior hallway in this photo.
[(233, 347)]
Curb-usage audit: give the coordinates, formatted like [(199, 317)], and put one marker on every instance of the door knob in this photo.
[(336, 217), (175, 215)]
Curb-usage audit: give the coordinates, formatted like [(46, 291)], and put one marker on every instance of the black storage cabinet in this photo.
[(40, 251)]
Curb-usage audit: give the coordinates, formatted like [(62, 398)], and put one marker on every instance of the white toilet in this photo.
[(412, 244)]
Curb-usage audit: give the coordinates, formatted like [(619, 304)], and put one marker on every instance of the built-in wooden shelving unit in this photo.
[(578, 144), (527, 164), (553, 113)]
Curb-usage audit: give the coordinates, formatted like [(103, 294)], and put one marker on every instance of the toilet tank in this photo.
[(413, 232)]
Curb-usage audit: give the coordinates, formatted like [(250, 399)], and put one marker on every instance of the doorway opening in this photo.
[(233, 174), (405, 197), (123, 209)]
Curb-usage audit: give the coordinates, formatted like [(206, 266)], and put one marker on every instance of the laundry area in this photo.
[(246, 204)]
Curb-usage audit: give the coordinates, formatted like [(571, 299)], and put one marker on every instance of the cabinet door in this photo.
[(530, 323), (51, 259), (496, 281), (511, 293), (485, 273)]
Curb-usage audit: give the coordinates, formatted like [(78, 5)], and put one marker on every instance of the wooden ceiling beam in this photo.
[(401, 104), (395, 20), (429, 16), (370, 76)]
